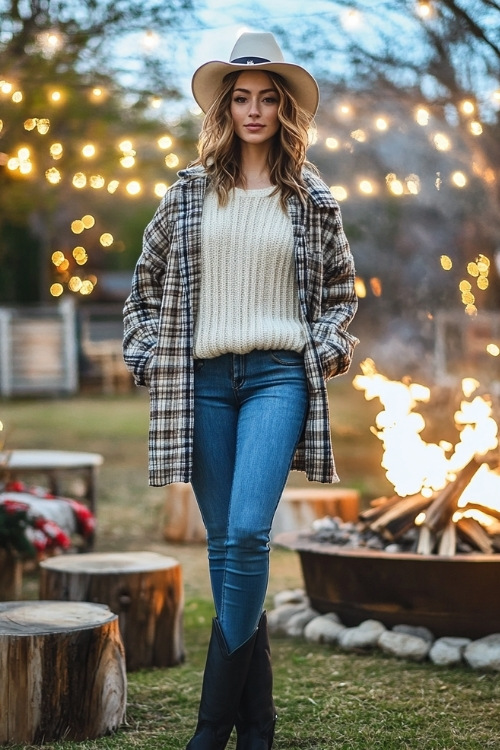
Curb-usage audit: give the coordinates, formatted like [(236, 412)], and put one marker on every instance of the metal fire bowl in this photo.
[(454, 596)]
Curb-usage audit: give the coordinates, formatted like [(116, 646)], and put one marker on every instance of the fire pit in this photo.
[(425, 556), (454, 596)]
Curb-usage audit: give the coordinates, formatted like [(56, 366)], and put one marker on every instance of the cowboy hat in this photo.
[(255, 51)]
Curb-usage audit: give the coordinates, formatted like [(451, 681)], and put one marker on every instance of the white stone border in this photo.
[(294, 617)]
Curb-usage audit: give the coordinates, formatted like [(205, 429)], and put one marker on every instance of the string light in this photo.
[(88, 221), (359, 135), (87, 287), (351, 19), (366, 187), (127, 161), (77, 226), (53, 175), (422, 116), (345, 110), (133, 187), (150, 40), (441, 142), (410, 186), (339, 192), (56, 150), (89, 150), (332, 143), (57, 258), (56, 290), (467, 107), (79, 180), (160, 189), (396, 187), (75, 284), (413, 184), (381, 123), (172, 161), (165, 142), (459, 179), (106, 239), (376, 286), (360, 287), (424, 9), (97, 181)]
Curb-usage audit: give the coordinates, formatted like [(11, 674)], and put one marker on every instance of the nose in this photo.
[(254, 110)]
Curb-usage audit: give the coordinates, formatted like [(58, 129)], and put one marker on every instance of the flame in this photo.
[(412, 465)]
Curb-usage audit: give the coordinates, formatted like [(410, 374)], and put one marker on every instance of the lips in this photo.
[(254, 127)]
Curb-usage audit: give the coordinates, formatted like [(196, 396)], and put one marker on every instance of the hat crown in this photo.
[(261, 45)]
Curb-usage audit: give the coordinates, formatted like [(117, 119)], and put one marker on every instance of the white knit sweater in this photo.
[(248, 295)]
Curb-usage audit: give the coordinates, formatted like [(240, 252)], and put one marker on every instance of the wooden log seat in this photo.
[(183, 522), (299, 507), (11, 575), (144, 589), (62, 667)]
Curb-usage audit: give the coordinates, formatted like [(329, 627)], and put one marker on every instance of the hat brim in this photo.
[(208, 78)]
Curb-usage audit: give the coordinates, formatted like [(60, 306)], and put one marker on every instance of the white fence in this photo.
[(38, 350)]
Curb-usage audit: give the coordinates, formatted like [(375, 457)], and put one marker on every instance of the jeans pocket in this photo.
[(288, 357), (198, 365)]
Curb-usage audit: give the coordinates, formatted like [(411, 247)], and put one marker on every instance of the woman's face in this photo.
[(254, 107)]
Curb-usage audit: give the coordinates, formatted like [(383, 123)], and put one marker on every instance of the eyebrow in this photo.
[(247, 91)]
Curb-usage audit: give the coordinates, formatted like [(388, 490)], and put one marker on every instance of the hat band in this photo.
[(249, 60)]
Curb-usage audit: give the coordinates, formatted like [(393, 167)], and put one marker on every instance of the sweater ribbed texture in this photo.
[(248, 293)]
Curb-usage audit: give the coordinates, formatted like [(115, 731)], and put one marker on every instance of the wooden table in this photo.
[(53, 464)]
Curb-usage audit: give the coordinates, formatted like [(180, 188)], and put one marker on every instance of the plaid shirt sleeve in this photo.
[(339, 302), (142, 308)]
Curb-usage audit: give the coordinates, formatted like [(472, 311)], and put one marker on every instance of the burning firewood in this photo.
[(474, 534), (426, 541), (400, 517), (448, 541), (445, 504), (379, 506)]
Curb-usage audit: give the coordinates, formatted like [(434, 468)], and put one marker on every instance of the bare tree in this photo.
[(442, 56)]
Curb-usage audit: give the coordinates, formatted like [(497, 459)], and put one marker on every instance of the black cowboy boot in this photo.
[(257, 714), (223, 682)]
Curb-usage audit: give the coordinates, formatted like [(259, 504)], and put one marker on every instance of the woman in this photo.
[(237, 317)]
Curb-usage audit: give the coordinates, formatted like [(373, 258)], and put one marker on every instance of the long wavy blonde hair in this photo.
[(219, 148)]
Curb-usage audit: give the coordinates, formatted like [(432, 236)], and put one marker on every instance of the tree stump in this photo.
[(62, 669), (183, 522), (144, 589), (11, 575), (299, 508)]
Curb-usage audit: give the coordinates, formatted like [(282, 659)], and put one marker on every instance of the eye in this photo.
[(270, 100), (239, 99)]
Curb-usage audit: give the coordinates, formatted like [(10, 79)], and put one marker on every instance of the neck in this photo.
[(254, 166)]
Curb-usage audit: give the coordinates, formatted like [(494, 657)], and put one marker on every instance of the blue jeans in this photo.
[(249, 415)]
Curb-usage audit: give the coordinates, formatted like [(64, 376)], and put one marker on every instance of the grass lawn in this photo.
[(325, 698)]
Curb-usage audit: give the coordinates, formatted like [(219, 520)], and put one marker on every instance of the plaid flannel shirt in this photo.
[(160, 311)]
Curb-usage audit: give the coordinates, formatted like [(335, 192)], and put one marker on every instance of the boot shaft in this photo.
[(223, 683)]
